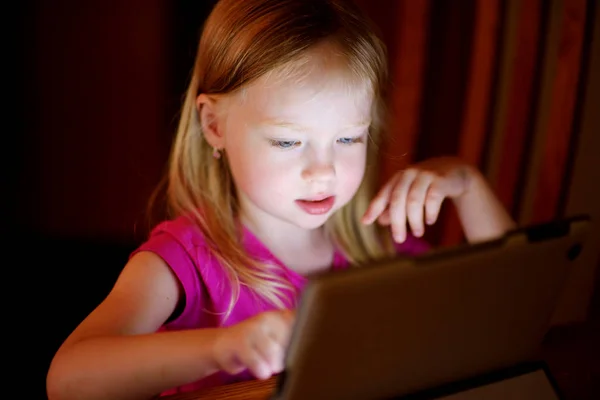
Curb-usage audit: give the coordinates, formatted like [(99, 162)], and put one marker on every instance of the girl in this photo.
[(271, 179)]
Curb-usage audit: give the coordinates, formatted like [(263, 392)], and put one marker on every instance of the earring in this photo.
[(216, 153)]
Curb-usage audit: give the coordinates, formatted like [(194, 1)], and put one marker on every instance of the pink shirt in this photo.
[(207, 289)]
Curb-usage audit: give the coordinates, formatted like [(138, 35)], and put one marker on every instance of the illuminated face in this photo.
[(297, 148)]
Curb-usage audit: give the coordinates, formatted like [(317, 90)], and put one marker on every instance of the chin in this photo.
[(310, 222)]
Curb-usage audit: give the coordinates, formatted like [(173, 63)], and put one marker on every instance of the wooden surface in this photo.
[(251, 390)]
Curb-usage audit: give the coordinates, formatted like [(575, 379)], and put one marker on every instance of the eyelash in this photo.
[(356, 139), (280, 143), (290, 144)]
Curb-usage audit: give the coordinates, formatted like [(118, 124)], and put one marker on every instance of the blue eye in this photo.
[(350, 140), (284, 144)]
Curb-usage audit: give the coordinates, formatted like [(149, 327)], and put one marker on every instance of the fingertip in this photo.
[(278, 366), (263, 372), (234, 368), (368, 215), (374, 210), (398, 233), (399, 238), (417, 230)]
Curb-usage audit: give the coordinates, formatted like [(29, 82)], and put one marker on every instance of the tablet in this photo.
[(403, 325)]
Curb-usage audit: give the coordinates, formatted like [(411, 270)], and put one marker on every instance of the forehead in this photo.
[(318, 88)]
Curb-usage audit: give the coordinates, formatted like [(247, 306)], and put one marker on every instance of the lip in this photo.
[(317, 197), (317, 205)]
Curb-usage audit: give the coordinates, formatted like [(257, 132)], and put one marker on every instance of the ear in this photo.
[(209, 121)]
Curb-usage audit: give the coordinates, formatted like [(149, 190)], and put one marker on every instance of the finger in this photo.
[(232, 365), (277, 325), (415, 203), (384, 218), (254, 362), (381, 201), (272, 352), (398, 205), (279, 331), (433, 203)]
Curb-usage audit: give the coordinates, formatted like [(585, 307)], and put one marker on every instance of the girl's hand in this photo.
[(416, 195), (257, 344)]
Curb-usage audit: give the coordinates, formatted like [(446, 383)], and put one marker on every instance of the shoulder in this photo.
[(182, 230), (181, 244), (179, 241)]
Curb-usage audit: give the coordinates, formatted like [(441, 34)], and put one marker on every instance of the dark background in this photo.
[(97, 92), (96, 88)]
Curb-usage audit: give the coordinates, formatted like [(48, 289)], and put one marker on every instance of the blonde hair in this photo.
[(242, 41)]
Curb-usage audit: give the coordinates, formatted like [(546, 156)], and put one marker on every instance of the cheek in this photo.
[(255, 172), (352, 168)]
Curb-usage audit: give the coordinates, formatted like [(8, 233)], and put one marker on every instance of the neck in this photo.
[(303, 250), (284, 235)]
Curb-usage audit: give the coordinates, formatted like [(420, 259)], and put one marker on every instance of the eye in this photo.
[(284, 144), (351, 140)]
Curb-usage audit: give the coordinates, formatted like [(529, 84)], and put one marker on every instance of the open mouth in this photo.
[(317, 206)]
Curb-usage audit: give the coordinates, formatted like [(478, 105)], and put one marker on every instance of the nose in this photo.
[(319, 172)]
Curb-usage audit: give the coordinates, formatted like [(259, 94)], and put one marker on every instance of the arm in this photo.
[(481, 214), (115, 354), (414, 196)]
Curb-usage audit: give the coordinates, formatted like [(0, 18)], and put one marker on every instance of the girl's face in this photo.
[(297, 148)]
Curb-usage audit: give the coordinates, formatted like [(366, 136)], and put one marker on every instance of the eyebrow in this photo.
[(300, 128)]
